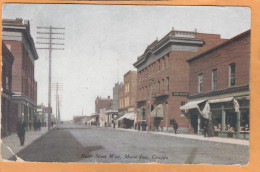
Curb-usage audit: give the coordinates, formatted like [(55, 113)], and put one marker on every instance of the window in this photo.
[(214, 79), (167, 59), (168, 84), (163, 85), (232, 76), (159, 87), (7, 83), (163, 63), (200, 83), (159, 65), (143, 113)]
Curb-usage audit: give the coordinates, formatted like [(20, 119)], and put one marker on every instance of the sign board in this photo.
[(185, 94)]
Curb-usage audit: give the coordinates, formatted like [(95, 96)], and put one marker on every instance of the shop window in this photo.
[(232, 76), (214, 79), (200, 83), (231, 120)]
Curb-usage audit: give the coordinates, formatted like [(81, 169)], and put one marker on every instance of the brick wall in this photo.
[(101, 103), (237, 51)]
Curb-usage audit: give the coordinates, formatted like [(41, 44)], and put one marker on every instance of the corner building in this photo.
[(163, 78), (16, 36), (6, 96), (219, 89)]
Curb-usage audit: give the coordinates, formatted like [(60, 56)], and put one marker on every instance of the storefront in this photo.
[(228, 117), (126, 121)]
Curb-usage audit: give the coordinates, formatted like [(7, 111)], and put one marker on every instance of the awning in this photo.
[(158, 111), (130, 116), (191, 105), (222, 100)]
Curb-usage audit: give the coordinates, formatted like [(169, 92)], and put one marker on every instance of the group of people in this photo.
[(142, 126), (21, 128), (36, 125)]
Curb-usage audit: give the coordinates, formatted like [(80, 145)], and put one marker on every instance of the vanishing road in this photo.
[(72, 143)]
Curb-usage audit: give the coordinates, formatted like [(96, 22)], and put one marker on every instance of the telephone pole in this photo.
[(58, 87), (46, 35)]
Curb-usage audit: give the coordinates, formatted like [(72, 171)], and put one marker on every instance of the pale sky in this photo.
[(97, 35)]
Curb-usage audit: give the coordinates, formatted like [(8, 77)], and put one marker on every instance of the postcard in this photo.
[(142, 84)]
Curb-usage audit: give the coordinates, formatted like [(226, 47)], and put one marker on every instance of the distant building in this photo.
[(7, 118), (113, 113), (101, 103), (115, 95), (16, 35), (219, 88), (127, 96), (163, 77), (81, 119)]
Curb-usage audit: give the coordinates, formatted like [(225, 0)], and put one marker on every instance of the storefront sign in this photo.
[(185, 94)]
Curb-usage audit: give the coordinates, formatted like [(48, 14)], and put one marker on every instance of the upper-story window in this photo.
[(232, 76), (214, 79), (159, 65), (200, 83), (159, 87), (163, 63), (168, 84)]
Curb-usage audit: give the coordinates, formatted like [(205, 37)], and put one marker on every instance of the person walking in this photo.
[(175, 126), (206, 128), (20, 128)]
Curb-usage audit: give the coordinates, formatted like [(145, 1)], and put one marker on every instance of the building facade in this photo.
[(163, 78), (16, 35), (219, 88), (7, 117), (102, 103), (127, 95)]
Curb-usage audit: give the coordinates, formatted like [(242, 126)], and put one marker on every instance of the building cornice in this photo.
[(170, 39), (23, 29)]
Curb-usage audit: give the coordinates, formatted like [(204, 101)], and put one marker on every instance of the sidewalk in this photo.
[(196, 137), (12, 142)]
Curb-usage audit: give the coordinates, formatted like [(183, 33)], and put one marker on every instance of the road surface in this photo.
[(72, 143)]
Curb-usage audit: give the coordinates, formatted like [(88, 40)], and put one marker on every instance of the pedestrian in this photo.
[(30, 124), (39, 125), (206, 128), (34, 125), (20, 128), (175, 126), (138, 126), (114, 124), (51, 123)]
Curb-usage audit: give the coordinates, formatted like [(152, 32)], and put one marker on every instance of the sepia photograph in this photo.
[(143, 84)]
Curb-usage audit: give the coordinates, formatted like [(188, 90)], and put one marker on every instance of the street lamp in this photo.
[(150, 102)]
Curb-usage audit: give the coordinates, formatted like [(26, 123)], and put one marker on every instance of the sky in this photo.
[(103, 41)]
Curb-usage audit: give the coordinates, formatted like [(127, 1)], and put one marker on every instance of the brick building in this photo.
[(16, 35), (163, 77), (102, 103), (127, 96), (6, 96), (219, 88)]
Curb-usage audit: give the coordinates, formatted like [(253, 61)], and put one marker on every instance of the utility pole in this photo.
[(47, 35), (58, 87)]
